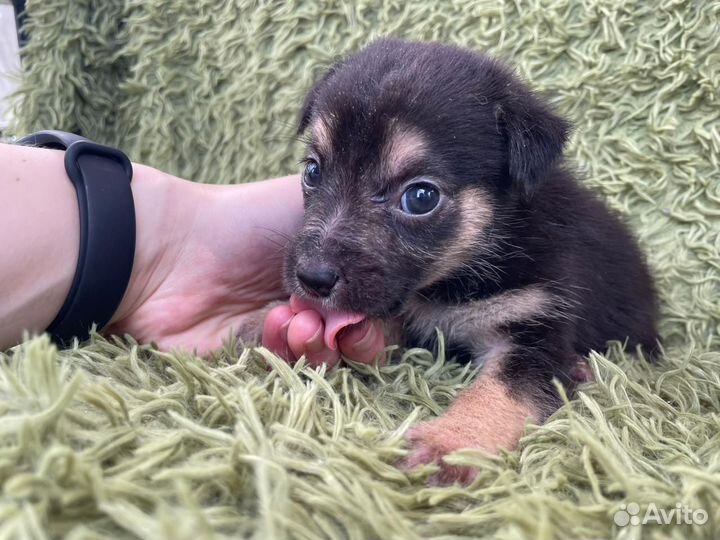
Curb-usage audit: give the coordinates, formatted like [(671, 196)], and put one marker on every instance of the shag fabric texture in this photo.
[(115, 440)]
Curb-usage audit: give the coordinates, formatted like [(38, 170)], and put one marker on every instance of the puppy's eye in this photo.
[(420, 199), (311, 176)]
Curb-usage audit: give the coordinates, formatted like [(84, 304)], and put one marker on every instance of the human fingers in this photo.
[(305, 336), (362, 342), (275, 331)]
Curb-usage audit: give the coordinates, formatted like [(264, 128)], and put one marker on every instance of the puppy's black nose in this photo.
[(318, 278)]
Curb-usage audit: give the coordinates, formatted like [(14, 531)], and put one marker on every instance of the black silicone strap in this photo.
[(101, 176)]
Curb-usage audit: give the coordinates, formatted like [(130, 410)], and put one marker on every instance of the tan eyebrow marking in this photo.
[(321, 130), (403, 145)]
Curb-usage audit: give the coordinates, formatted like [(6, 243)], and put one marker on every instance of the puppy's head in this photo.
[(413, 150)]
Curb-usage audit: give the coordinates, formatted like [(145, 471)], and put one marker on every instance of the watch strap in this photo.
[(101, 176)]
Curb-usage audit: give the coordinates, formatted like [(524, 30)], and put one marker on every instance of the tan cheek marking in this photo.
[(404, 146), (476, 212)]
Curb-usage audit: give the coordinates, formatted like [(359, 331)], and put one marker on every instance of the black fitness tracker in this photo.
[(101, 176)]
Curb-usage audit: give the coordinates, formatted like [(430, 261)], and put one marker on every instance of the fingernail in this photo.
[(283, 349), (315, 343), (284, 330), (324, 356), (368, 339)]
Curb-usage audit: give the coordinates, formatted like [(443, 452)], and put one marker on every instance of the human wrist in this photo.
[(207, 256), (165, 208)]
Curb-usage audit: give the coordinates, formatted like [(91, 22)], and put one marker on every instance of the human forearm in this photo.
[(39, 235), (207, 257), (39, 239)]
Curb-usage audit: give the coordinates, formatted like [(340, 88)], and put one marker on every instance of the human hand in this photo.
[(208, 258), (301, 327)]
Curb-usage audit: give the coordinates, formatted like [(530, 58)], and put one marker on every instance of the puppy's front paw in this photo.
[(431, 441), (484, 417)]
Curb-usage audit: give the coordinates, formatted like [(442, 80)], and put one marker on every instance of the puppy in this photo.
[(436, 198)]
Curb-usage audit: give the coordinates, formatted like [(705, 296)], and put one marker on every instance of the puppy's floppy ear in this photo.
[(310, 99), (535, 138)]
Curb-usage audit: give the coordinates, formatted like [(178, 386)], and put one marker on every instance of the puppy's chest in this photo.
[(465, 334), (479, 327)]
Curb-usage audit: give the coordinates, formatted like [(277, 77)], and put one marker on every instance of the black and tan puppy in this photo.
[(435, 195)]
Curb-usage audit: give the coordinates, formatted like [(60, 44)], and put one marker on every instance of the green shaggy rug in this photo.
[(116, 440)]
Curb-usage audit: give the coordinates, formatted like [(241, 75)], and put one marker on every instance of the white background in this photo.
[(9, 59)]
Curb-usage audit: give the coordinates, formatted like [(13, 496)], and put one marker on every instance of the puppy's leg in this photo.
[(250, 330), (486, 416), (513, 389)]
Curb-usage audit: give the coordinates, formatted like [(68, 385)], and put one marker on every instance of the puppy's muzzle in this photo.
[(317, 278)]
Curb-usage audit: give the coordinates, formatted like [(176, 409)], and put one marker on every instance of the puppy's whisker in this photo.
[(276, 232), (278, 238)]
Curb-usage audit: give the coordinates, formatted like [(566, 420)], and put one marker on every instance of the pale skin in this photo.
[(208, 258)]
